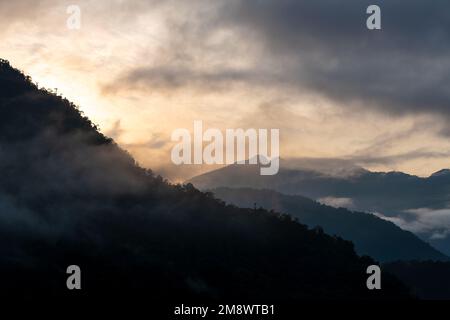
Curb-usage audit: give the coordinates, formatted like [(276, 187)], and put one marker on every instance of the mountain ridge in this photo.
[(395, 196), (363, 229)]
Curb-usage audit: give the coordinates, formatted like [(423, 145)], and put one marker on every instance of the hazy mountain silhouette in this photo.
[(371, 235), (398, 190), (69, 195), (392, 194)]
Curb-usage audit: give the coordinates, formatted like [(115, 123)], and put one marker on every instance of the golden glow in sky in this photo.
[(141, 69)]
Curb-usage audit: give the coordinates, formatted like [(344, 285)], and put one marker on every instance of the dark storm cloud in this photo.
[(173, 78), (324, 47), (402, 68)]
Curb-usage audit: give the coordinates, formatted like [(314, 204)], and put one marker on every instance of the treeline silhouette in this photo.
[(70, 195), (428, 279), (392, 194), (371, 235)]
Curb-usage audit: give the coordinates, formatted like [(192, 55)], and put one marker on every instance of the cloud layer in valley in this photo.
[(431, 222)]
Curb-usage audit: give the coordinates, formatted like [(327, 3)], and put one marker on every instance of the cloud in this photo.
[(399, 70), (337, 202), (115, 131), (156, 141), (310, 68), (318, 46), (401, 157), (169, 79), (431, 222), (21, 10)]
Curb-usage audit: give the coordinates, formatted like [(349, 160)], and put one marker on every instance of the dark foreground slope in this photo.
[(428, 279), (371, 235), (69, 195)]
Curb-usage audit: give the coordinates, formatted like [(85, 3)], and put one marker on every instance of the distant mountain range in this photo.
[(414, 203), (371, 235)]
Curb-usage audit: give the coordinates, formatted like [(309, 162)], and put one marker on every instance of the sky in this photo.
[(142, 69)]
